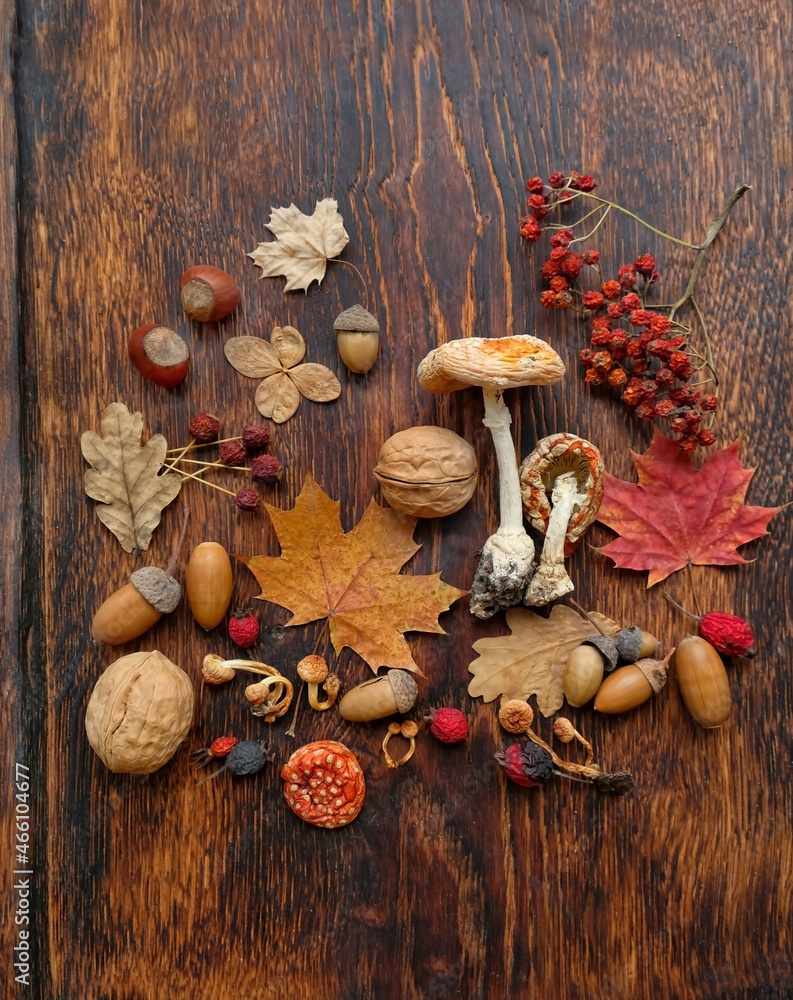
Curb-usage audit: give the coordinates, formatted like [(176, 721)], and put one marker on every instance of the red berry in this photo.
[(706, 438), (627, 276), (611, 289), (558, 284), (727, 633), (222, 745), (448, 725), (592, 300), (708, 402), (247, 499), (563, 238), (204, 427), (664, 407), (530, 229), (232, 453), (557, 180), (547, 299), (256, 436), (535, 185), (645, 265), (243, 629), (526, 764), (572, 264), (266, 469), (591, 257)]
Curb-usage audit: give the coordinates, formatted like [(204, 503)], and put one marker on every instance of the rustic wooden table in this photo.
[(141, 138)]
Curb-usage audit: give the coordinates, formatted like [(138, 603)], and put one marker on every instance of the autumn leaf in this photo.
[(284, 380), (351, 579), (678, 514), (531, 660), (125, 477), (303, 244)]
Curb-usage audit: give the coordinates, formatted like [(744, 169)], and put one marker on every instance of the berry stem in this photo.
[(197, 475), (212, 465), (347, 263), (182, 451), (202, 444), (585, 614), (598, 224), (672, 601), (625, 211), (170, 567)]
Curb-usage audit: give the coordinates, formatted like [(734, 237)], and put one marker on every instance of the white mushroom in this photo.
[(497, 364), (571, 470)]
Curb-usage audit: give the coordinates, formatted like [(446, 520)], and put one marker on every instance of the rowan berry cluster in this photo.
[(636, 350)]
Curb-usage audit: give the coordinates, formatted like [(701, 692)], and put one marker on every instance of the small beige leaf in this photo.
[(252, 356), (124, 477), (303, 244), (289, 345), (277, 397), (316, 382), (532, 659)]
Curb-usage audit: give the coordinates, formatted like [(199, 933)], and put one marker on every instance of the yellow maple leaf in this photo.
[(351, 579)]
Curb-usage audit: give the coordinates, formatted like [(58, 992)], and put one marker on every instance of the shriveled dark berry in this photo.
[(256, 436), (266, 469), (248, 757), (232, 453), (204, 427), (247, 499), (618, 783)]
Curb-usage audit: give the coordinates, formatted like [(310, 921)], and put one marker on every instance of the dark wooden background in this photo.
[(141, 138)]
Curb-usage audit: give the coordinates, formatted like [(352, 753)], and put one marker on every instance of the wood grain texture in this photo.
[(156, 136)]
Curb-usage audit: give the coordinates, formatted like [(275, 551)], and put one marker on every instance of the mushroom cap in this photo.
[(553, 456), (313, 669), (503, 362)]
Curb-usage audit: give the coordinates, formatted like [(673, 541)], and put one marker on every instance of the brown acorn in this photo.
[(632, 685)]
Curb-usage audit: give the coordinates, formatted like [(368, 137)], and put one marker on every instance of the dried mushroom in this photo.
[(497, 364), (570, 469), (426, 471), (139, 712)]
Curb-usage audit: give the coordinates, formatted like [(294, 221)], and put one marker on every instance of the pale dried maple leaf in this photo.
[(303, 244), (125, 477), (284, 379), (532, 658), (678, 514), (351, 579)]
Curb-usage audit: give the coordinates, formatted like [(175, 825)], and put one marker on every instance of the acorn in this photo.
[(631, 686), (210, 582), (358, 338), (135, 607), (703, 682), (390, 694), (583, 675)]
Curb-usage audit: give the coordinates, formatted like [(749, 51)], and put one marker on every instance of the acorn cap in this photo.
[(605, 645), (356, 319), (629, 642), (405, 689), (655, 670), (155, 586)]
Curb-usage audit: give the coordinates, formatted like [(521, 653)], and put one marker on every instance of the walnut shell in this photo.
[(426, 471), (139, 712)]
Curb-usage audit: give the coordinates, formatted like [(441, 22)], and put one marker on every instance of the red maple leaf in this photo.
[(678, 514)]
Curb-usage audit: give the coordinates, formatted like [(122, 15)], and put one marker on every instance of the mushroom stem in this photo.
[(551, 580), (506, 564)]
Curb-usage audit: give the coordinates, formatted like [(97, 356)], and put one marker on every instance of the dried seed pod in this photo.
[(426, 471), (247, 757), (583, 674), (358, 338), (390, 694), (139, 712)]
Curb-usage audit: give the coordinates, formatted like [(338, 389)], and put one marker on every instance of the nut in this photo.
[(358, 338), (207, 293), (426, 471), (389, 694), (703, 682), (583, 675), (139, 712), (209, 583), (160, 355)]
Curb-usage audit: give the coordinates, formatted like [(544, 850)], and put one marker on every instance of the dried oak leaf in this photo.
[(303, 244), (285, 380), (125, 477), (532, 659), (352, 579), (678, 514)]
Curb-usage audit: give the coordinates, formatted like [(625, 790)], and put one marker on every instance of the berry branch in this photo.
[(641, 349)]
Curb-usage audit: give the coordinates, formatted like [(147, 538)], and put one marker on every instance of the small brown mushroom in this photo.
[(497, 364), (570, 469), (314, 670)]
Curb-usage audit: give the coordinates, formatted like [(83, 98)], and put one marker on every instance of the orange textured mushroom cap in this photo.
[(313, 669), (553, 456), (324, 784), (503, 362)]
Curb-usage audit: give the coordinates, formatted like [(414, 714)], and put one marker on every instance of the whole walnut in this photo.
[(139, 712), (426, 471)]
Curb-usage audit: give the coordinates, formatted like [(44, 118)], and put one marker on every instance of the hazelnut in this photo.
[(139, 712), (160, 355), (426, 471)]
